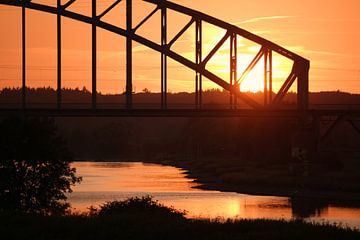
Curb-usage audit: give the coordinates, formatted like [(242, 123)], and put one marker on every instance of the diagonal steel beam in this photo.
[(251, 65), (66, 5), (327, 133), (357, 128), (182, 31), (215, 49), (109, 9), (145, 19), (285, 88)]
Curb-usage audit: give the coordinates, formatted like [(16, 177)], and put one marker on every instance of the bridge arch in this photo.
[(299, 71)]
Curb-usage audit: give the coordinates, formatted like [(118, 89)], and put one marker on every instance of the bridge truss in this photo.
[(299, 72)]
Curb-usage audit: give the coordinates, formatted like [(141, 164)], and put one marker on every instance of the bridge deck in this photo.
[(221, 113)]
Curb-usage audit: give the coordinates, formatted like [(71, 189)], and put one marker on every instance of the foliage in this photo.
[(144, 205), (35, 173)]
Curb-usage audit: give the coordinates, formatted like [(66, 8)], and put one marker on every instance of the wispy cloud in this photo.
[(301, 49), (259, 19)]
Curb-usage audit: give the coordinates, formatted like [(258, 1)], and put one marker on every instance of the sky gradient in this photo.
[(325, 32)]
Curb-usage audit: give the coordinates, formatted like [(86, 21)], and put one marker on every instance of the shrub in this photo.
[(35, 173), (143, 206)]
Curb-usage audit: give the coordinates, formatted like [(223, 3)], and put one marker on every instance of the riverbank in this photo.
[(255, 179)]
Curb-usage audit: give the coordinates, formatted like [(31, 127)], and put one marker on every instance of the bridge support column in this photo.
[(58, 98), (198, 60), (270, 76), (129, 32), (163, 58), (267, 77), (23, 90), (94, 55), (303, 86), (233, 69)]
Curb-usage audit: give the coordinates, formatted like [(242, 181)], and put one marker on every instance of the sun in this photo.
[(254, 82)]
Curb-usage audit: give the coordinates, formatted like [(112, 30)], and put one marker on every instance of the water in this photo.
[(104, 182)]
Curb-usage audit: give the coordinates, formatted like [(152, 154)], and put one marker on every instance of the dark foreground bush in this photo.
[(35, 172), (138, 206), (140, 219)]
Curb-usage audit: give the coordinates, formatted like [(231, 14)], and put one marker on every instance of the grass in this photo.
[(143, 218)]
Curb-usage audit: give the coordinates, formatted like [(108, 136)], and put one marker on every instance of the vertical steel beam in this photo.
[(266, 74), (163, 58), (233, 68), (94, 55), (303, 85), (58, 98), (198, 60), (270, 76), (129, 31), (23, 92)]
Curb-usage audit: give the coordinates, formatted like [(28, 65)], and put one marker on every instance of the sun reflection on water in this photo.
[(103, 182)]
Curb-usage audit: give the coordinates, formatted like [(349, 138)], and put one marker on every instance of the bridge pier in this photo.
[(304, 144)]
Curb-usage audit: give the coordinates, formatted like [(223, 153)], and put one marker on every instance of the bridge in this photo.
[(298, 74), (309, 117), (272, 103)]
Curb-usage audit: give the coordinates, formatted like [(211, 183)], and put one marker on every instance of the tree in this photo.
[(146, 90), (35, 172)]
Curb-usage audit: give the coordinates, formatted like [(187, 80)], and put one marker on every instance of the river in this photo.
[(105, 181)]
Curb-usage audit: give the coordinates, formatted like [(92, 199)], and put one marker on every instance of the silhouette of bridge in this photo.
[(309, 118), (272, 104), (299, 72)]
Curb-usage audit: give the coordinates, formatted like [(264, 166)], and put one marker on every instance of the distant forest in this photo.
[(46, 97), (150, 138)]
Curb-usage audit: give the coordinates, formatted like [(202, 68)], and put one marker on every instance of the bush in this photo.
[(135, 206), (35, 173)]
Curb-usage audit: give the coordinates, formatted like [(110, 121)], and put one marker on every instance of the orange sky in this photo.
[(325, 32)]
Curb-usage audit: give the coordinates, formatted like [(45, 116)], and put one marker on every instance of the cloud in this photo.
[(259, 19), (301, 49)]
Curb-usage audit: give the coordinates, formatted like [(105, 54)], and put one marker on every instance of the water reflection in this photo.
[(305, 207), (117, 181)]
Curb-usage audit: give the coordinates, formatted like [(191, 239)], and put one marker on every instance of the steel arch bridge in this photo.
[(299, 72)]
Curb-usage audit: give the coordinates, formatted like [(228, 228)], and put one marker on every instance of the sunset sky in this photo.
[(325, 32)]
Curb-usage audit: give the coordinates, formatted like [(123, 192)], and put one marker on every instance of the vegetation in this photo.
[(34, 167), (133, 219), (135, 206)]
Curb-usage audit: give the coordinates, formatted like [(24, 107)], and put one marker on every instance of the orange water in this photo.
[(104, 182)]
